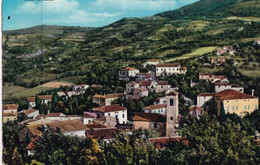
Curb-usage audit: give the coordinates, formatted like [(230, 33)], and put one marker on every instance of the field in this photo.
[(197, 52), (55, 84), (250, 73)]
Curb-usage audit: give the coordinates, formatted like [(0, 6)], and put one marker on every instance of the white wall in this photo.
[(34, 114), (80, 133), (167, 70), (119, 114)]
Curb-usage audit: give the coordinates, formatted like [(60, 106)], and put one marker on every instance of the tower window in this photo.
[(171, 118), (171, 102)]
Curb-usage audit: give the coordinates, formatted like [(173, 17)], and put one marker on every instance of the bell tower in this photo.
[(172, 113)]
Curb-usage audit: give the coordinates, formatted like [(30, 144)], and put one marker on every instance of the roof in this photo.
[(64, 126), (183, 68), (224, 84), (172, 94), (111, 108), (10, 106), (142, 90), (95, 85), (163, 83), (95, 125), (58, 114), (133, 82), (101, 133), (145, 83), (31, 145), (112, 95), (206, 94), (151, 107), (220, 77), (89, 115), (43, 97), (30, 110), (168, 65), (154, 60), (163, 141), (206, 73), (149, 117), (129, 68), (232, 95), (8, 114), (193, 108)]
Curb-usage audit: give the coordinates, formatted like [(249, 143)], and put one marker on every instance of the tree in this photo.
[(54, 101)]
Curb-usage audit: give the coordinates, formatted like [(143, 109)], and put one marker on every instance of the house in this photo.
[(226, 49), (116, 111), (131, 86), (96, 86), (160, 100), (45, 99), (149, 85), (106, 99), (9, 117), (160, 108), (128, 72), (169, 69), (67, 127), (56, 116), (81, 88), (211, 77), (257, 42), (10, 108), (69, 93), (163, 142), (196, 111), (88, 117), (139, 93), (162, 86), (31, 113), (151, 121), (217, 61), (205, 100), (152, 62), (218, 87), (100, 131), (144, 77), (236, 102)]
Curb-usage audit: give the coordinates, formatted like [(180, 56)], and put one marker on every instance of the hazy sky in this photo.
[(88, 13)]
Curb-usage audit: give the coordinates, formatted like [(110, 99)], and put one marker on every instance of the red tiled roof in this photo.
[(43, 97), (95, 125), (133, 82), (183, 68), (31, 145), (10, 106), (54, 114), (30, 110), (88, 116), (193, 108), (145, 83), (232, 95), (101, 133), (148, 76), (142, 90), (163, 141), (111, 108), (129, 68), (206, 94), (168, 65), (151, 107), (163, 83), (149, 117), (220, 77), (8, 114), (95, 85), (112, 95)]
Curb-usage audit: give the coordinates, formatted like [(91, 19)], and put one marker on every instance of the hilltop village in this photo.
[(108, 114)]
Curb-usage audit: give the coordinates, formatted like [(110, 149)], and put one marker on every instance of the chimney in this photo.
[(253, 92)]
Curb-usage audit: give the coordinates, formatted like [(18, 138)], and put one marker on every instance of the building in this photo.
[(140, 93), (128, 72), (31, 113), (102, 100), (236, 102), (205, 100), (160, 100), (172, 113), (9, 117), (218, 87), (100, 131), (196, 111), (116, 111), (211, 77), (144, 77), (152, 62), (160, 108), (130, 87), (150, 121), (45, 99), (68, 93), (163, 142), (88, 117), (149, 85), (56, 116), (217, 61), (81, 88), (162, 86), (10, 108), (226, 49), (169, 69), (257, 42)]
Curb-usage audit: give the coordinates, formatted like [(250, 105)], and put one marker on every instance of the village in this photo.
[(162, 117)]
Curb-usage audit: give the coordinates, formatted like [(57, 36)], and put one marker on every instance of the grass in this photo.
[(71, 79), (255, 19), (250, 73), (31, 91), (9, 90), (197, 52)]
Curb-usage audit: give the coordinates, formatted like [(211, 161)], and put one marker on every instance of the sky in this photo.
[(84, 13)]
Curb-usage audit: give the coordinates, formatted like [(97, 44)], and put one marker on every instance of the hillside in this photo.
[(94, 55)]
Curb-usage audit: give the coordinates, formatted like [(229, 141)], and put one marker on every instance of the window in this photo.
[(123, 115), (233, 108), (227, 108), (256, 107), (171, 118), (89, 121), (245, 107), (161, 86), (116, 116), (236, 107), (249, 107), (108, 114), (171, 102), (154, 125)]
